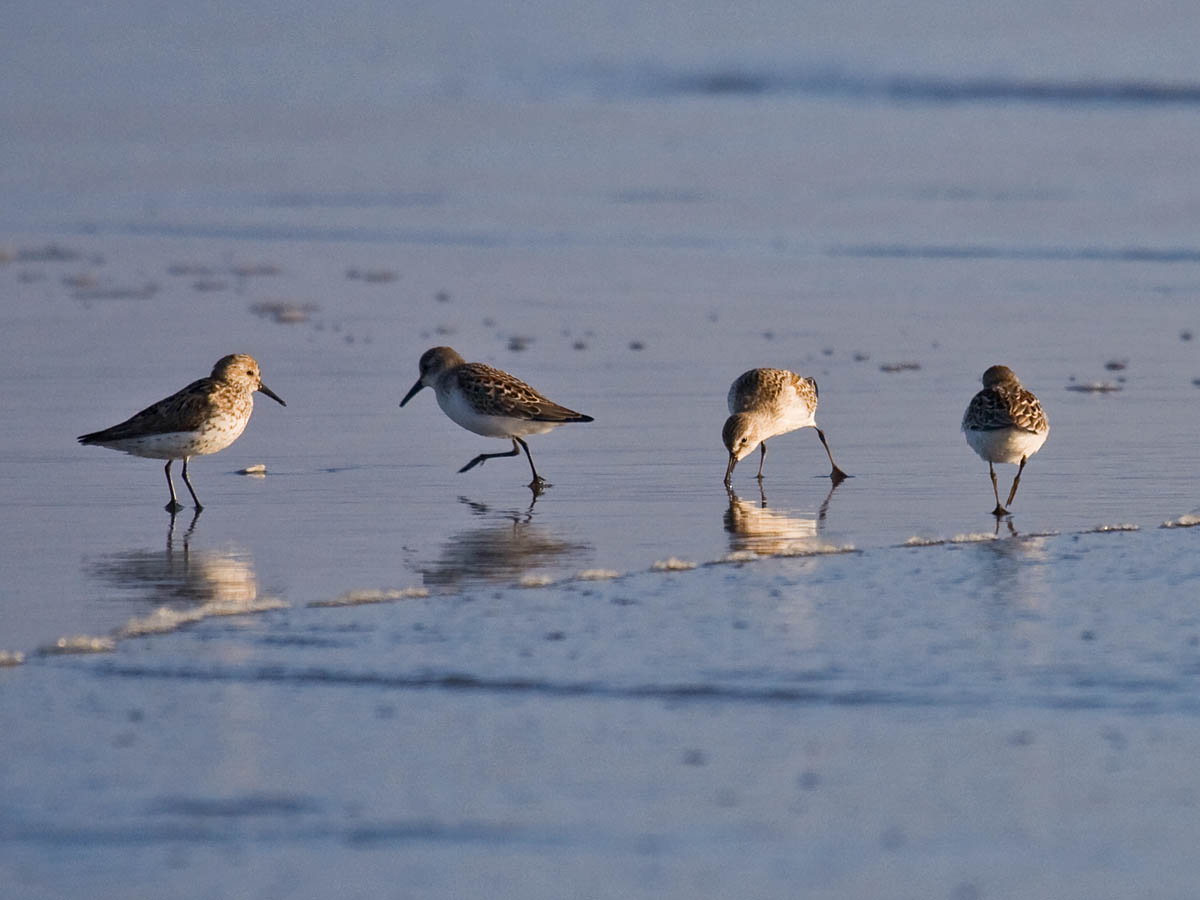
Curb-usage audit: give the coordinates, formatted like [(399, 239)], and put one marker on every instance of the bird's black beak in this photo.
[(729, 469), (415, 388), (270, 393)]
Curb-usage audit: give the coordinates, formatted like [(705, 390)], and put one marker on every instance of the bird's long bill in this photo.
[(415, 388), (270, 393), (729, 468)]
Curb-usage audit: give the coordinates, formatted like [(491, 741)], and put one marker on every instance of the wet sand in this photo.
[(636, 683), (364, 674)]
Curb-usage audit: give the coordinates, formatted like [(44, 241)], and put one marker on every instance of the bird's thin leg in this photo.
[(188, 482), (762, 458), (538, 481), (484, 457), (999, 510), (837, 474), (174, 506), (1016, 480)]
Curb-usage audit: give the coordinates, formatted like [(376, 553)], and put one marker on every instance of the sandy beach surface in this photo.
[(360, 673)]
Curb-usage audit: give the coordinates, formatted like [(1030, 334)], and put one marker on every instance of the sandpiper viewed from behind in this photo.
[(490, 402), (206, 416), (764, 403), (1004, 423)]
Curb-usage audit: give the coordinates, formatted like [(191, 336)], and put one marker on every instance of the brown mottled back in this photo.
[(1004, 403), (503, 394)]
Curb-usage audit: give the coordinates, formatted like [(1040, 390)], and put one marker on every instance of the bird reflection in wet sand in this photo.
[(755, 528), (1012, 531), (181, 578), (507, 548)]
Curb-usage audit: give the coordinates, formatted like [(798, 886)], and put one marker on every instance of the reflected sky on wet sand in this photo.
[(361, 668)]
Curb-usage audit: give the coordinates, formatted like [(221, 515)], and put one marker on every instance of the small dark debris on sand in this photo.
[(190, 270), (636, 345), (1117, 365), (518, 343), (1185, 335), (81, 282), (255, 270), (116, 292), (283, 312), (48, 253), (372, 276), (900, 367)]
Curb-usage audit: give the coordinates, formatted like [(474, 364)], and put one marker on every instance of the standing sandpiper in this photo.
[(764, 403), (206, 416), (1004, 423), (490, 402)]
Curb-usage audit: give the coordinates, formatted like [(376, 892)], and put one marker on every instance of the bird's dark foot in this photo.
[(477, 461), (838, 475), (539, 484), (173, 507), (999, 511)]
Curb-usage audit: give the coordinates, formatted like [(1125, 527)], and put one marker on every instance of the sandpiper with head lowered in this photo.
[(1004, 423), (764, 403), (490, 402), (206, 416)]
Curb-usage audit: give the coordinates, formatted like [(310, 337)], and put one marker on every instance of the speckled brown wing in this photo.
[(1025, 411), (756, 388), (501, 394), (186, 410), (805, 387), (764, 389), (745, 390), (986, 412), (1000, 407)]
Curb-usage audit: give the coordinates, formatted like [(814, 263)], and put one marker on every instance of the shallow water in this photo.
[(365, 669)]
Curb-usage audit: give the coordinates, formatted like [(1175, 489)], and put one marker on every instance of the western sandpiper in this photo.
[(764, 403), (490, 402), (206, 416), (1004, 423)]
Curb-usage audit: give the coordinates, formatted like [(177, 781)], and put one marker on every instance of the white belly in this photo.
[(1005, 445), (455, 406), (795, 416), (180, 444)]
